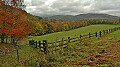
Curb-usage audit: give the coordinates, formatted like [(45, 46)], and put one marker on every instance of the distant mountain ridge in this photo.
[(83, 16)]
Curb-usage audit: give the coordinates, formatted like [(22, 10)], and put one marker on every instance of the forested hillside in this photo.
[(84, 16), (13, 23), (17, 23), (45, 26)]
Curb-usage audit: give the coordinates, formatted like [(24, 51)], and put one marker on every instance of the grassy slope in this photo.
[(71, 56), (116, 35), (72, 33), (27, 54)]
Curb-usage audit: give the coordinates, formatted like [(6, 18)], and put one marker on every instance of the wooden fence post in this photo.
[(45, 46), (118, 28), (31, 42), (80, 36), (89, 35), (112, 30), (109, 30), (104, 32), (0, 38), (100, 33), (68, 39), (35, 44), (39, 44), (115, 29), (17, 55), (62, 41), (96, 34)]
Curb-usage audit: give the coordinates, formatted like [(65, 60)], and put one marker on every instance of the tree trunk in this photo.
[(11, 39), (2, 38)]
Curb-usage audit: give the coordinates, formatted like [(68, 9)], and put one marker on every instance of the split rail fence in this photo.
[(45, 46)]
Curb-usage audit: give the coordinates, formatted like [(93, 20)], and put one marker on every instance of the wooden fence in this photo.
[(45, 45)]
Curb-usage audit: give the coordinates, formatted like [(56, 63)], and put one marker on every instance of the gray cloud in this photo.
[(38, 2), (106, 4), (73, 7)]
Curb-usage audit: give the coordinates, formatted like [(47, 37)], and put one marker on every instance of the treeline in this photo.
[(45, 26), (13, 24), (17, 24)]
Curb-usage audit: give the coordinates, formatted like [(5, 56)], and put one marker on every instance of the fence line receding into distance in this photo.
[(45, 45)]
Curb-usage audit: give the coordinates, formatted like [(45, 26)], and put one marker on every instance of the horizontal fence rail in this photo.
[(44, 45)]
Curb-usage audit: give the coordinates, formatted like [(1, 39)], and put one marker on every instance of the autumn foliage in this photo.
[(13, 22), (45, 26), (17, 23)]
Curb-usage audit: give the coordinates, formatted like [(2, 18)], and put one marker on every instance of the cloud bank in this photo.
[(72, 7)]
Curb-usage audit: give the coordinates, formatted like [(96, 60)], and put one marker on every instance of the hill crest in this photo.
[(83, 16)]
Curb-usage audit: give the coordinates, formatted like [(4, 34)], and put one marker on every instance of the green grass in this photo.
[(72, 33), (66, 57), (72, 55), (116, 35), (117, 64), (26, 53), (104, 65)]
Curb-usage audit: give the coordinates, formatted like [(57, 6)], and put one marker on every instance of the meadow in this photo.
[(72, 33), (61, 43), (95, 52)]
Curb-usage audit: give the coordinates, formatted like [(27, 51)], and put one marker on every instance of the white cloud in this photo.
[(31, 9), (72, 7)]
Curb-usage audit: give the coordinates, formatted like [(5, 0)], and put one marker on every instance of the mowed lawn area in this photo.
[(72, 33)]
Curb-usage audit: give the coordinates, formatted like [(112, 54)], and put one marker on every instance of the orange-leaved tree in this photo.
[(13, 23)]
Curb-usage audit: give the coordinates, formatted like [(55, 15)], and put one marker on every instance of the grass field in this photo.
[(72, 33), (116, 35), (96, 52)]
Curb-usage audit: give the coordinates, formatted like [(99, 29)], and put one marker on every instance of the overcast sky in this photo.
[(72, 7)]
